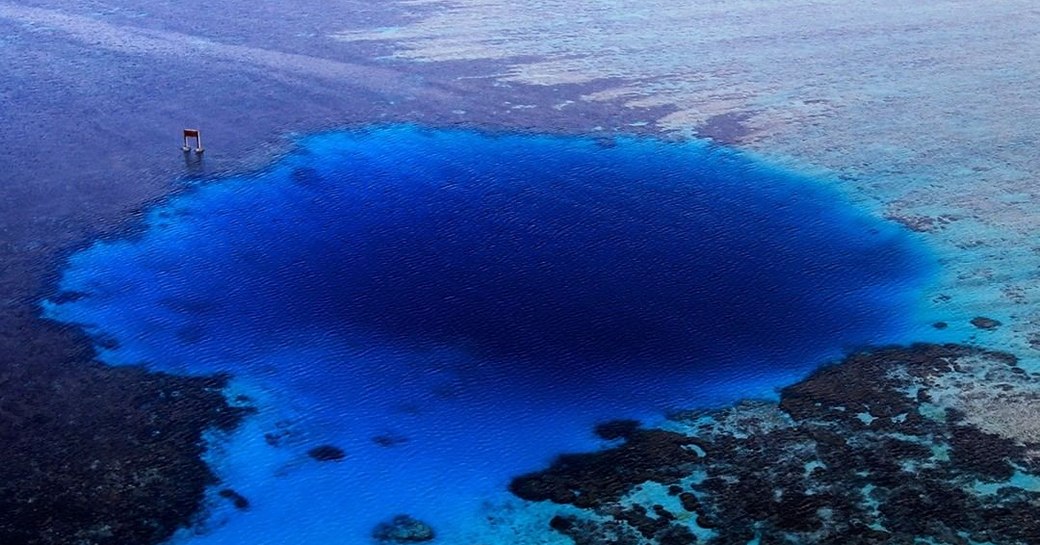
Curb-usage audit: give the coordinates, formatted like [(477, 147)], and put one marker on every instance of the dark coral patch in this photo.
[(984, 454), (403, 529), (236, 499), (677, 535), (327, 453), (594, 479), (983, 322), (616, 429), (388, 440)]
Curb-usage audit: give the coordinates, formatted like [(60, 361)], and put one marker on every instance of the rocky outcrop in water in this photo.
[(931, 442)]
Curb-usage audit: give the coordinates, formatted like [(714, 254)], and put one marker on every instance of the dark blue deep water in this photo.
[(476, 302)]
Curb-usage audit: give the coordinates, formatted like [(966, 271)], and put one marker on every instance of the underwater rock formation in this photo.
[(983, 322), (236, 499), (887, 446), (403, 529), (327, 453)]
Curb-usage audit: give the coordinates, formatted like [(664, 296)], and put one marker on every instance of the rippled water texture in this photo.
[(451, 308)]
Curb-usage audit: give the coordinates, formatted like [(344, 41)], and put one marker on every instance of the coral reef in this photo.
[(97, 455), (888, 446), (596, 479)]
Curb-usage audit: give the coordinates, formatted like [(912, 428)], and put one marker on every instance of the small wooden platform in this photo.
[(193, 133)]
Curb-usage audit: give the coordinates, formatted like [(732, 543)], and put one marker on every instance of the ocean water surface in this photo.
[(452, 308)]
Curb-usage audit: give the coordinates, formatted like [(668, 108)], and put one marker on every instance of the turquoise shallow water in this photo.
[(452, 308)]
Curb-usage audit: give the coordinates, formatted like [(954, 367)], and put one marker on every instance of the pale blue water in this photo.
[(484, 299)]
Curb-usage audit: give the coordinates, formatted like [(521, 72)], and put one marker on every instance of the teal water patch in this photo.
[(451, 308)]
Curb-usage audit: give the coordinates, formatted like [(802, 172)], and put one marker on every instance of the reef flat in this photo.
[(884, 446)]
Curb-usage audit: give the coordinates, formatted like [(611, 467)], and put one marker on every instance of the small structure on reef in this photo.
[(192, 133)]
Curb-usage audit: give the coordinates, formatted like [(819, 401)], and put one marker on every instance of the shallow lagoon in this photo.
[(452, 308)]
